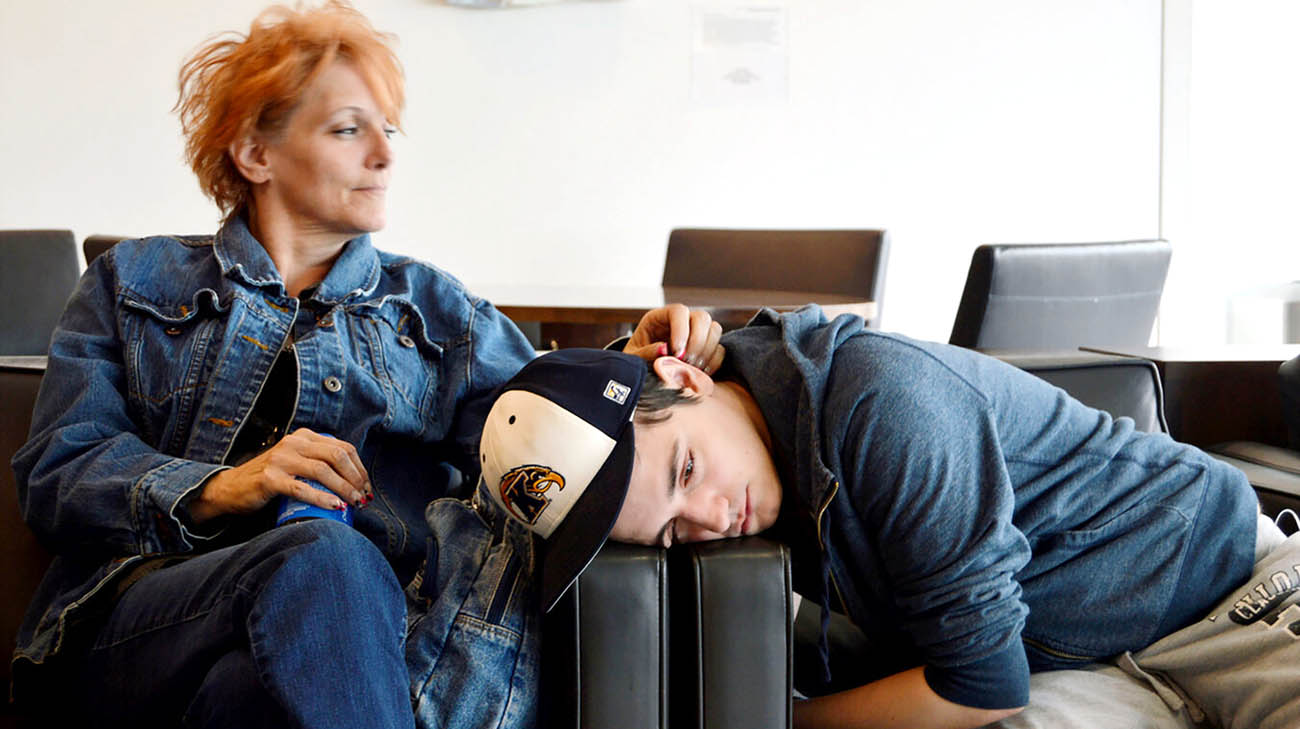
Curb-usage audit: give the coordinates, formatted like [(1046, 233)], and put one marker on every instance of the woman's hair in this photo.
[(235, 85), (653, 406)]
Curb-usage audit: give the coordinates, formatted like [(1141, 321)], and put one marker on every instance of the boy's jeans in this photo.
[(1219, 671)]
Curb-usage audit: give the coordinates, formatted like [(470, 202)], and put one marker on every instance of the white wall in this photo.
[(560, 142), (1237, 191)]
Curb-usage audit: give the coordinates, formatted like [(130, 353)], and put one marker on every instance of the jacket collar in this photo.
[(242, 258)]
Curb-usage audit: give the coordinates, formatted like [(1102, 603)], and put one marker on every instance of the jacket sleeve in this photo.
[(88, 484), (498, 350), (921, 462)]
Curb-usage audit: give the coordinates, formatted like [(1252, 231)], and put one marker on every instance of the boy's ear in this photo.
[(250, 158), (687, 378)]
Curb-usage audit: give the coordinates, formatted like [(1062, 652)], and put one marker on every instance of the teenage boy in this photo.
[(975, 522)]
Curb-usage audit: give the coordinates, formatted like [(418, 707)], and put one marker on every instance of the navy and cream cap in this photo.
[(557, 451)]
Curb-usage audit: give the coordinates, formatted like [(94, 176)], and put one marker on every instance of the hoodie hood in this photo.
[(784, 361)]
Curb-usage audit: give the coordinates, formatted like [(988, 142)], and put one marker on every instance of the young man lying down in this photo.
[(978, 524)]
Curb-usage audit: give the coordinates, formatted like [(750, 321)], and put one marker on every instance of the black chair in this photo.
[(38, 271), (24, 558), (1122, 386), (1061, 296), (97, 244), (847, 262)]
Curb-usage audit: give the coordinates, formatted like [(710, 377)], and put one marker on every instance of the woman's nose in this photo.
[(381, 154)]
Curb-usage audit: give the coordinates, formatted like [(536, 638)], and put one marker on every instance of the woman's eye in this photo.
[(389, 133), (688, 468), (350, 131)]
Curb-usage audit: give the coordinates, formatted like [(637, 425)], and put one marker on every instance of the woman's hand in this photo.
[(691, 336), (301, 454)]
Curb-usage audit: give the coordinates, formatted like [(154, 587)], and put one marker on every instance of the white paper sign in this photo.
[(739, 55)]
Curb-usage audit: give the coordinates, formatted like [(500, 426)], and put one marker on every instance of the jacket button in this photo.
[(333, 384), (406, 341), (326, 322)]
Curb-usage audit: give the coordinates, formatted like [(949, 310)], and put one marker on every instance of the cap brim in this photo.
[(576, 541)]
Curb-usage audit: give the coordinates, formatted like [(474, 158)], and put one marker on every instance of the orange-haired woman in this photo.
[(191, 386)]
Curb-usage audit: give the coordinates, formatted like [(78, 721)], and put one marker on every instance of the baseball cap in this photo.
[(557, 451)]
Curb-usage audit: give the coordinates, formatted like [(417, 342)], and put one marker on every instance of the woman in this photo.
[(193, 381)]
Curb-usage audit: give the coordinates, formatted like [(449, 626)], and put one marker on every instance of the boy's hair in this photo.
[(234, 86), (657, 399)]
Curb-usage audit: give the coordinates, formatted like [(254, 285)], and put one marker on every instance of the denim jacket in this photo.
[(977, 520), (158, 359)]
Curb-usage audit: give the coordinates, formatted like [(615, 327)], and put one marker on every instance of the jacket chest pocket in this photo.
[(408, 364), (169, 355)]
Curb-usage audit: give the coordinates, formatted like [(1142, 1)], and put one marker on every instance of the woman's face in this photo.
[(328, 169)]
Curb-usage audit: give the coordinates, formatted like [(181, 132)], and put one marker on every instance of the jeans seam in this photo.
[(152, 629), (188, 617), (1182, 568)]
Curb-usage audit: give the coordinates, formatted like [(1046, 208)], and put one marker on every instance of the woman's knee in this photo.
[(309, 557), (336, 548)]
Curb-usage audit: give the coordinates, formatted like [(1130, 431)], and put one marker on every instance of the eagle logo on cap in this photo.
[(523, 490)]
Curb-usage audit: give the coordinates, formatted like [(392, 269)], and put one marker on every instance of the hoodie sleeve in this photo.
[(920, 461)]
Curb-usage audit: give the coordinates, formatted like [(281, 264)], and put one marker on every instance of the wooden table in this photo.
[(592, 315), (1219, 393)]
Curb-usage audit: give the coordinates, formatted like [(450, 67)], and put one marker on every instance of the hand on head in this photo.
[(677, 331)]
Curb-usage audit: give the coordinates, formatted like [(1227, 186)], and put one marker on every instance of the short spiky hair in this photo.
[(235, 85)]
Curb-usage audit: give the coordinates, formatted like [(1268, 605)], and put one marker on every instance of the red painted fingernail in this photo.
[(663, 350)]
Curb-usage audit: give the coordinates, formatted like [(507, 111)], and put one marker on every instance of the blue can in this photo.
[(292, 509)]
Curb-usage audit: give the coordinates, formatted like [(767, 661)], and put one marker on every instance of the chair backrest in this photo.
[(1062, 295), (38, 271), (847, 262), (1122, 386), (97, 244), (24, 558)]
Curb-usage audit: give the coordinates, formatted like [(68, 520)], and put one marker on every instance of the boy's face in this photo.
[(703, 473)]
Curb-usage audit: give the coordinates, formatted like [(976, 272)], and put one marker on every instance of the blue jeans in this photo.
[(301, 626)]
